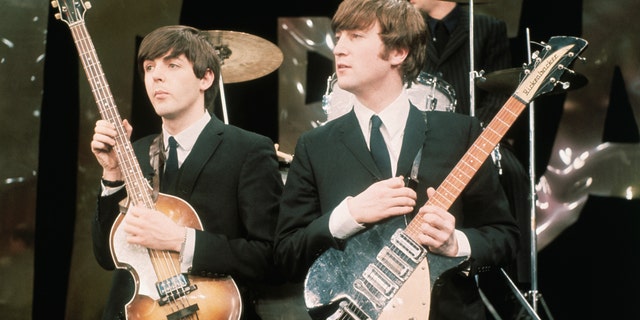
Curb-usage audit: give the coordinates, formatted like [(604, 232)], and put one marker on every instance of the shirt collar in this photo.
[(394, 116), (187, 138)]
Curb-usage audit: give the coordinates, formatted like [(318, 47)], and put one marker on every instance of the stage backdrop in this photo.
[(585, 140)]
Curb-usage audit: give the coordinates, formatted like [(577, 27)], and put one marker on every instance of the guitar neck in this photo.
[(472, 160), (137, 186)]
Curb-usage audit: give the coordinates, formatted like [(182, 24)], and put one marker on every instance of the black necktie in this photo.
[(171, 167), (379, 148), (441, 36)]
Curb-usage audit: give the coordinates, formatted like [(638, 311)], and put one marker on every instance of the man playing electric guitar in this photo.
[(337, 198), (227, 175)]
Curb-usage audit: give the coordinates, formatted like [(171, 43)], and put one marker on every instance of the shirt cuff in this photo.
[(464, 248), (342, 225), (107, 191), (186, 256)]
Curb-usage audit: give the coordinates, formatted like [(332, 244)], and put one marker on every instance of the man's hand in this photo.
[(382, 200), (153, 229), (103, 148), (437, 229)]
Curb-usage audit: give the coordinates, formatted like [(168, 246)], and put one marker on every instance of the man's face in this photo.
[(359, 58), (172, 86), (425, 6)]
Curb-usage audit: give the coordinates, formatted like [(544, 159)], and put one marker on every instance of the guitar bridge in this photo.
[(173, 288)]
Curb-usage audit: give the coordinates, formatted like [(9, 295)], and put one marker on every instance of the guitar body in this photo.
[(367, 279), (201, 298)]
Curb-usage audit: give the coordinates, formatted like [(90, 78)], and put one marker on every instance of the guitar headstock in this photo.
[(71, 11), (544, 72)]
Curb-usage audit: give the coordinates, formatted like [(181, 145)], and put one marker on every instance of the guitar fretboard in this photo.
[(466, 168), (137, 186)]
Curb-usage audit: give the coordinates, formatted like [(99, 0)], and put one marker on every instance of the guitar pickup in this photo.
[(173, 288), (394, 263), (406, 245), (377, 281)]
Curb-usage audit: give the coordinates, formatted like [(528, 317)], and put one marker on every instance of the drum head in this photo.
[(430, 93)]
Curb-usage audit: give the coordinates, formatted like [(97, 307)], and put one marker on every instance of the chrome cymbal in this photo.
[(506, 81), (244, 56)]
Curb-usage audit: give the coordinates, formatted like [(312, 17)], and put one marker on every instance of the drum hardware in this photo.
[(326, 97), (243, 57)]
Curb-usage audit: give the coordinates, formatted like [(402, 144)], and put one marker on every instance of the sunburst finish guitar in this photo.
[(162, 291), (383, 273)]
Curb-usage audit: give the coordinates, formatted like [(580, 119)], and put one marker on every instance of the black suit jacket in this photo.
[(232, 180), (333, 162)]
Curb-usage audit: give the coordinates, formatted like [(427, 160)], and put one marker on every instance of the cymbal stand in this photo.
[(533, 292), (223, 100), (496, 154), (472, 73)]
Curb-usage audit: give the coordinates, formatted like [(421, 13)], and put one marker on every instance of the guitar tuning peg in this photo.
[(535, 55), (562, 67)]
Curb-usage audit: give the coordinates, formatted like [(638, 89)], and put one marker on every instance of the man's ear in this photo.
[(207, 80), (397, 56)]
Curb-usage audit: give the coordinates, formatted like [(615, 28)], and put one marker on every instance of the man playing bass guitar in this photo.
[(227, 175)]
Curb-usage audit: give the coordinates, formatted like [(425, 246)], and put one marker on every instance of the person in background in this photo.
[(229, 176), (336, 190), (448, 47)]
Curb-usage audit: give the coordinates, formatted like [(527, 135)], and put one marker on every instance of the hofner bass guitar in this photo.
[(383, 273), (162, 291)]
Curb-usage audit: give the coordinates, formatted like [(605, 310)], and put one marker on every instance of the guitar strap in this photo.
[(157, 159)]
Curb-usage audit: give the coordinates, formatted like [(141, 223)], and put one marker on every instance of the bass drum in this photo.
[(430, 93)]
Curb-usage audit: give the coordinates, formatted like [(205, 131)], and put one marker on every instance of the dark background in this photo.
[(588, 271)]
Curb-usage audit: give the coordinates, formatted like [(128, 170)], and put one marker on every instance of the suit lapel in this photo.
[(354, 141), (414, 135), (204, 148)]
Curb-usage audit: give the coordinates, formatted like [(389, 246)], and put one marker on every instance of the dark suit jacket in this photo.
[(232, 180), (491, 52), (332, 162)]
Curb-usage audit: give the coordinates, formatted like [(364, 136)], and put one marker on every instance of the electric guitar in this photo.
[(384, 273), (162, 291)]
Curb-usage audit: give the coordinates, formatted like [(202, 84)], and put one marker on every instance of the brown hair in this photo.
[(193, 43), (402, 27)]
